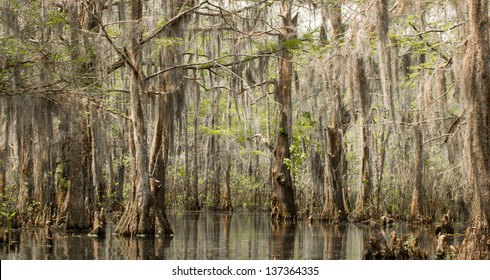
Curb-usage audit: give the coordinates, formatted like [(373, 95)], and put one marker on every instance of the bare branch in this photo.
[(263, 139), (122, 52), (437, 30), (154, 32), (207, 65)]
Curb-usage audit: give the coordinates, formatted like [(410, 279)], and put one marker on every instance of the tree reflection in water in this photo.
[(217, 236), (282, 239)]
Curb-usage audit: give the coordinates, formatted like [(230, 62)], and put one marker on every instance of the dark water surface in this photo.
[(204, 236)]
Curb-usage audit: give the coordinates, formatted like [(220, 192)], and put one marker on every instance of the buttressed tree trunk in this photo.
[(283, 182), (142, 210), (476, 91)]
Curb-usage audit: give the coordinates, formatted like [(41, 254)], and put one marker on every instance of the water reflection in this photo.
[(282, 241), (217, 236)]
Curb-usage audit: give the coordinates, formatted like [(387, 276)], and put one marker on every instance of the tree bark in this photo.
[(417, 197), (335, 208), (76, 206), (193, 203), (416, 208), (143, 209), (226, 200), (4, 140), (361, 88), (283, 183), (476, 92), (384, 56)]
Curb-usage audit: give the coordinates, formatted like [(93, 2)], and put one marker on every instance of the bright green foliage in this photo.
[(292, 44), (161, 23), (8, 200), (301, 138), (57, 17), (214, 132)]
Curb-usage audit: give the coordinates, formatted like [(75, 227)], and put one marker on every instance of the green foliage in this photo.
[(32, 206), (267, 46), (13, 47), (55, 17), (8, 200), (292, 44), (246, 193), (168, 43), (258, 153), (214, 132), (60, 181), (373, 42), (161, 23), (308, 37), (288, 163), (301, 137), (9, 216), (113, 31)]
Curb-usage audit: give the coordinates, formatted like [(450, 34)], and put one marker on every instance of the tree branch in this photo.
[(436, 30), (154, 32), (207, 65), (121, 52), (262, 138)]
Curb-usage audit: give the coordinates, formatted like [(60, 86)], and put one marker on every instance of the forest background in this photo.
[(328, 110)]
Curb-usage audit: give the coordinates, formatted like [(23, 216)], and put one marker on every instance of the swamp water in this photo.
[(208, 236)]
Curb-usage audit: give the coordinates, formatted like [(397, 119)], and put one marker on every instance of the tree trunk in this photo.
[(334, 208), (416, 206), (283, 183), (76, 206), (214, 200), (4, 140), (193, 203), (226, 201), (476, 92), (42, 161), (360, 87), (384, 56), (143, 209), (25, 142), (157, 167)]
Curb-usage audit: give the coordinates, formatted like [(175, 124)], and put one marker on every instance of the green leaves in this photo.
[(56, 17), (214, 132), (265, 47), (161, 23), (9, 216), (292, 44)]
